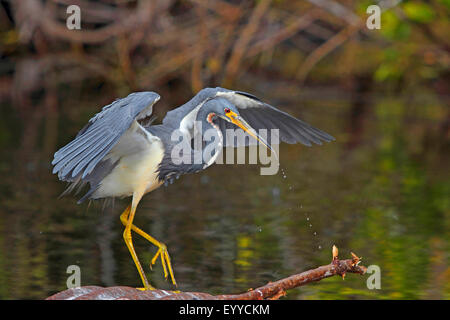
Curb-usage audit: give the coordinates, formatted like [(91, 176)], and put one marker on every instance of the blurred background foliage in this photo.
[(381, 190)]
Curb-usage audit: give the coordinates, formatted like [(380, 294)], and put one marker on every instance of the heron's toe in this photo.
[(165, 261)]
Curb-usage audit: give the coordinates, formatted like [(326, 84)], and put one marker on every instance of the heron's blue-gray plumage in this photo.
[(101, 133), (261, 115), (167, 168), (83, 160), (177, 163), (113, 138), (258, 114), (174, 117)]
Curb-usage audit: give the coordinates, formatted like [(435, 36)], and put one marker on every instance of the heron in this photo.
[(122, 153)]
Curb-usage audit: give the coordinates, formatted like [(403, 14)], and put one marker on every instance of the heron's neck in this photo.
[(211, 138)]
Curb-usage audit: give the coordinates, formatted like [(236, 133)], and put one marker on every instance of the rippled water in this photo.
[(381, 191)]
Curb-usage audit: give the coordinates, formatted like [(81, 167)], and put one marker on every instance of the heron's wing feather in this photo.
[(79, 157), (261, 115), (257, 113)]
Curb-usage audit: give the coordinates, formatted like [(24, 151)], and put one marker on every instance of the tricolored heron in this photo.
[(119, 155)]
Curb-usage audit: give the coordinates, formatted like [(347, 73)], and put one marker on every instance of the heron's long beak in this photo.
[(241, 123)]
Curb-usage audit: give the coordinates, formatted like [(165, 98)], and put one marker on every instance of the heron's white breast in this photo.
[(135, 171)]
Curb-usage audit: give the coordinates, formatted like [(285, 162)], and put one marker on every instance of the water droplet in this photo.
[(283, 174), (275, 192), (307, 219), (320, 247), (315, 233), (310, 225), (275, 195)]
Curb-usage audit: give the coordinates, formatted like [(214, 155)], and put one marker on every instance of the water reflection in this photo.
[(381, 191)]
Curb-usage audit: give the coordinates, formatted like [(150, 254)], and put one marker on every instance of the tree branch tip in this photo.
[(355, 259), (335, 252), (363, 270)]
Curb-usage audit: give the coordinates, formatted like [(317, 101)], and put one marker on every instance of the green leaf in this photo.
[(445, 3), (419, 12), (393, 28)]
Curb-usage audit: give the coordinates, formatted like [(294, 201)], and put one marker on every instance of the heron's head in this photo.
[(222, 108)]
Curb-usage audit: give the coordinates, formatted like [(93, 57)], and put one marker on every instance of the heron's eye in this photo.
[(227, 110)]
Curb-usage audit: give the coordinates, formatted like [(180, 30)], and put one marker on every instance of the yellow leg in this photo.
[(128, 241), (162, 249)]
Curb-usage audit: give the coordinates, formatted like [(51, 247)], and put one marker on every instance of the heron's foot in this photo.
[(146, 288), (162, 251), (165, 261)]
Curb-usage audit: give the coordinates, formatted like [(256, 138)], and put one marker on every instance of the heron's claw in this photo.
[(148, 288), (165, 261)]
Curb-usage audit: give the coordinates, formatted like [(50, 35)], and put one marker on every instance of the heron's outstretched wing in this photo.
[(78, 158), (261, 115), (257, 113)]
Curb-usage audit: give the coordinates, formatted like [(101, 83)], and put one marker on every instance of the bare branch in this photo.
[(325, 49), (272, 290), (338, 10)]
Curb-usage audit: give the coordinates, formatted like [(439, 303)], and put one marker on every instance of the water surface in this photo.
[(381, 191)]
